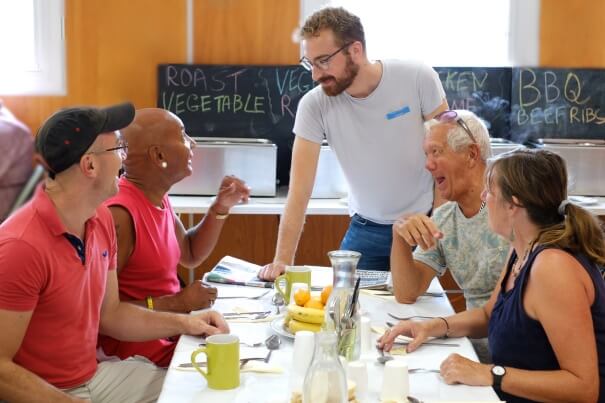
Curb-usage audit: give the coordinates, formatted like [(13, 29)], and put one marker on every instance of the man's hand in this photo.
[(197, 295), (417, 229), (458, 369), (206, 324), (271, 271), (231, 192)]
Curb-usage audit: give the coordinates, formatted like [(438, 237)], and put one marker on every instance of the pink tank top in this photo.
[(151, 269)]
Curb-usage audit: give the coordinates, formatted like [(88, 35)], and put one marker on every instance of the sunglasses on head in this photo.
[(452, 116)]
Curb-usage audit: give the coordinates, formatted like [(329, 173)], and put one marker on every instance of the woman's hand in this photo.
[(458, 369), (419, 331)]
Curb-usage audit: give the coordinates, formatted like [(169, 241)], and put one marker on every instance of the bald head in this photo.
[(159, 150), (150, 126)]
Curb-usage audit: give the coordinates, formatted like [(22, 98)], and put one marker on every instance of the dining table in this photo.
[(273, 382)]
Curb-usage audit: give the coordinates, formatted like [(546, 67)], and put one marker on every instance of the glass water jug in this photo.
[(325, 381), (342, 312)]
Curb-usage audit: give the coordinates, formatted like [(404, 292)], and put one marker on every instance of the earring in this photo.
[(164, 164)]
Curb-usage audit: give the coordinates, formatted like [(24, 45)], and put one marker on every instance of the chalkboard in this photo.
[(485, 91), (237, 101), (557, 103), (261, 101)]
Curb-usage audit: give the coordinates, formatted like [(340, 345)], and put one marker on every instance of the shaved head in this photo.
[(150, 126), (159, 150)]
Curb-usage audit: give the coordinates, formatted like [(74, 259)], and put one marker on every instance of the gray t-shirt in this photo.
[(378, 139), (472, 252)]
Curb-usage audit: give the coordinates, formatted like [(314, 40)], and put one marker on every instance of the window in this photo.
[(447, 32), (32, 57)]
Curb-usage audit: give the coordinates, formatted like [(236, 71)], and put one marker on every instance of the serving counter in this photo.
[(275, 205)]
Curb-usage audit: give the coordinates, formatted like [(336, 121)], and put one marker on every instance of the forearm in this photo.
[(472, 323), (17, 384), (290, 229), (201, 239), (550, 386), (408, 280), (166, 303), (128, 322)]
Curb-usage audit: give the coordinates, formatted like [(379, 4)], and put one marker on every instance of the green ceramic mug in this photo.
[(293, 274), (222, 352)]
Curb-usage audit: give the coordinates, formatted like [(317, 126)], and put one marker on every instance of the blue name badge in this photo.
[(399, 112)]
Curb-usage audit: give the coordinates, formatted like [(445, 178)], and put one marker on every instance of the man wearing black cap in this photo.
[(58, 286)]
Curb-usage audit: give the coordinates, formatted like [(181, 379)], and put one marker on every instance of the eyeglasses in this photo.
[(121, 148), (452, 116), (324, 62)]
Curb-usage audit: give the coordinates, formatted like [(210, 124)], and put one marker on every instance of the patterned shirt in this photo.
[(17, 150), (472, 252)]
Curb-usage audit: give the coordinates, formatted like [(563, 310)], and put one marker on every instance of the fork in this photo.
[(257, 316), (409, 317)]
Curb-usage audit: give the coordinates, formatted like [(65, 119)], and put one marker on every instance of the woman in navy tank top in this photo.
[(546, 318)]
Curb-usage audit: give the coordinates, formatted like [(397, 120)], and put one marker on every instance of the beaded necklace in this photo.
[(519, 263)]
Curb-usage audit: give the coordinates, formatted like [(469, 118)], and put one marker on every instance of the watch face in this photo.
[(498, 370)]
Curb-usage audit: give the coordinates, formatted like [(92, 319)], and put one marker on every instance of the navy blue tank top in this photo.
[(518, 341)]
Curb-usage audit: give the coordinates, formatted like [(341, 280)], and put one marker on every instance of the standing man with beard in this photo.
[(372, 114)]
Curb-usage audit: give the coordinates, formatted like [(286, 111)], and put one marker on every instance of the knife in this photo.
[(205, 364), (427, 343), (244, 313)]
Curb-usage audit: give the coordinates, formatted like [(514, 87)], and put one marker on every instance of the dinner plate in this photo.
[(277, 325)]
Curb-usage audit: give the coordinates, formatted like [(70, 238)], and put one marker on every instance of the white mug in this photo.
[(304, 346), (395, 381)]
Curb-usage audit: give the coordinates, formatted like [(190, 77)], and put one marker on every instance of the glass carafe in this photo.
[(340, 314), (325, 381)]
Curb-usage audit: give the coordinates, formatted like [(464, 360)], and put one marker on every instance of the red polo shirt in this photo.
[(40, 271)]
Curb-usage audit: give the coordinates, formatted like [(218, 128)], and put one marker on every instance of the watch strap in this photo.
[(497, 378)]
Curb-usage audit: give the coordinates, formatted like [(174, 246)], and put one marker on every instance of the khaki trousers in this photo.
[(135, 380)]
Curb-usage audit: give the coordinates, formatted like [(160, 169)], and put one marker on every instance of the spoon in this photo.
[(272, 343), (277, 300), (383, 358)]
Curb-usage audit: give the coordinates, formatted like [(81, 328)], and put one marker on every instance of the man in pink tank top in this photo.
[(152, 241)]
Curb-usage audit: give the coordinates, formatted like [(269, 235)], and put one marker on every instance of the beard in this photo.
[(341, 84)]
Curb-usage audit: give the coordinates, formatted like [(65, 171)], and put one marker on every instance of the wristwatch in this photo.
[(498, 373)]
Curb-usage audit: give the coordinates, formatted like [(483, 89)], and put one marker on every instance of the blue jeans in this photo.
[(372, 240)]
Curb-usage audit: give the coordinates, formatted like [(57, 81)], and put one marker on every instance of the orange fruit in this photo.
[(314, 303), (302, 296), (325, 294)]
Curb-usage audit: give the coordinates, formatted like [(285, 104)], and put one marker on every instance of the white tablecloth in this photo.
[(189, 386)]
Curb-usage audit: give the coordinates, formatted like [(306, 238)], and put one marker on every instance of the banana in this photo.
[(294, 326), (307, 315), (287, 319)]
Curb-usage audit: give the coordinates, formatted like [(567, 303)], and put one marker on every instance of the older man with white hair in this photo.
[(457, 235)]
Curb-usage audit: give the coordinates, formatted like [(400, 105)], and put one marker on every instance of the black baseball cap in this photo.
[(66, 135)]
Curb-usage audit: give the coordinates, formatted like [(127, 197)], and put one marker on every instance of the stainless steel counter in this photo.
[(275, 205)]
